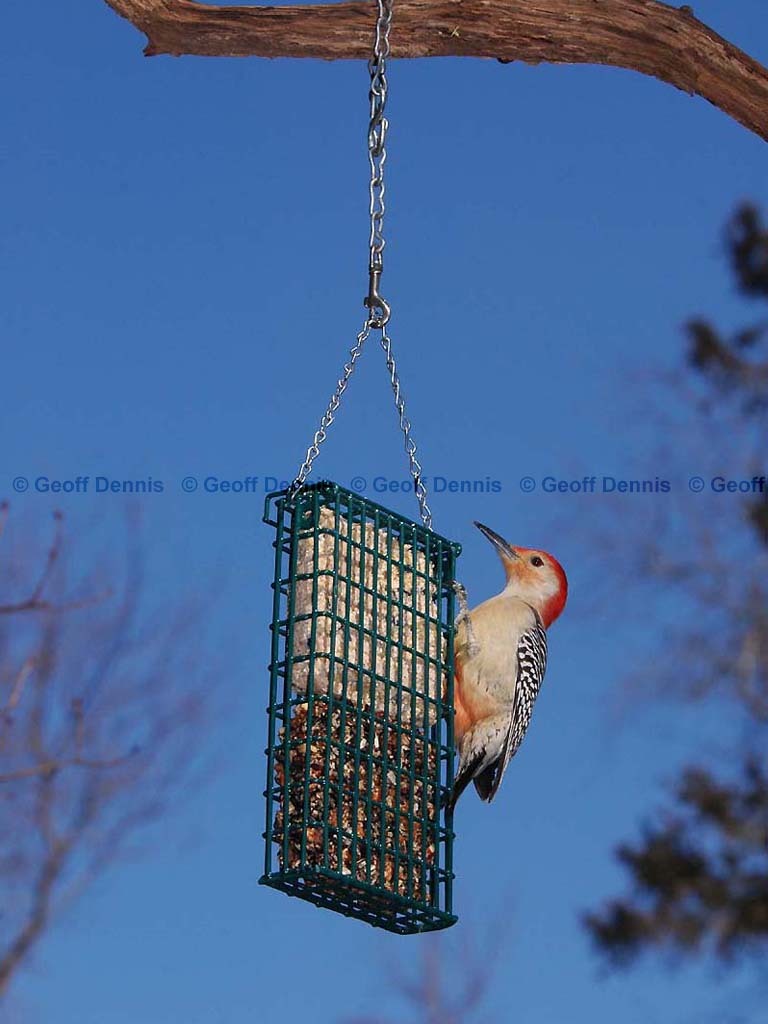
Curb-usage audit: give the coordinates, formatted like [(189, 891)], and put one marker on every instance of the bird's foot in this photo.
[(464, 618)]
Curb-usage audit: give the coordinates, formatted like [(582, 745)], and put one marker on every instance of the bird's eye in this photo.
[(537, 561)]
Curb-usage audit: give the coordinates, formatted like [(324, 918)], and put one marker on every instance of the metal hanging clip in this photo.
[(374, 301)]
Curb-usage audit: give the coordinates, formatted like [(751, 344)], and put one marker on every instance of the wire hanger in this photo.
[(379, 310)]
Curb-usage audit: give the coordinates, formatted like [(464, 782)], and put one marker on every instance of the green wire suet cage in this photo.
[(360, 751)]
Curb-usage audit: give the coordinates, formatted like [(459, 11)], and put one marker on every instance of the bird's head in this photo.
[(534, 576)]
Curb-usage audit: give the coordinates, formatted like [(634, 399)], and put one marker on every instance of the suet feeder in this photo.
[(360, 750)]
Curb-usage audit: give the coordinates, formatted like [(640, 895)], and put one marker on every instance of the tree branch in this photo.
[(37, 920), (46, 768), (17, 688), (100, 731), (640, 35), (57, 850), (36, 602)]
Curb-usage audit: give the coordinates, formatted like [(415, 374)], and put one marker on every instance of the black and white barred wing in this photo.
[(531, 666)]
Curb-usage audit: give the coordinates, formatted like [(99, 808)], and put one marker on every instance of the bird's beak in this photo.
[(503, 548)]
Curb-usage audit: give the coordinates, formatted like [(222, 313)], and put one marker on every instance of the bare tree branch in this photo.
[(447, 983), (101, 729), (17, 688), (641, 35), (38, 918), (46, 768), (78, 759), (698, 874), (41, 605), (36, 602)]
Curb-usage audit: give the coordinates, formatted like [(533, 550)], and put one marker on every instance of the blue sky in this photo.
[(183, 260)]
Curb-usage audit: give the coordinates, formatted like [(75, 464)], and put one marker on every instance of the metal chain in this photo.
[(378, 308), (377, 158), (419, 486), (321, 433)]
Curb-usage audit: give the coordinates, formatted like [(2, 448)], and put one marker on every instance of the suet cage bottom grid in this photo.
[(360, 750)]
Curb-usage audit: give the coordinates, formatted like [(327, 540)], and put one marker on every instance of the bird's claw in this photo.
[(473, 647)]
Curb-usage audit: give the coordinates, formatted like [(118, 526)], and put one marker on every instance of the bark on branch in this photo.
[(642, 35)]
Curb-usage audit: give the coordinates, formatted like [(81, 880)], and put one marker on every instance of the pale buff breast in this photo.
[(485, 683)]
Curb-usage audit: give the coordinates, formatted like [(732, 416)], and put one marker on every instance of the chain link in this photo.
[(419, 486), (377, 158), (378, 308), (328, 416)]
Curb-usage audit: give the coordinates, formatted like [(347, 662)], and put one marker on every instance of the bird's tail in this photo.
[(483, 759), (462, 780)]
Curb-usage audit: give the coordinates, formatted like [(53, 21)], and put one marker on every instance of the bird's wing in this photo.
[(531, 666)]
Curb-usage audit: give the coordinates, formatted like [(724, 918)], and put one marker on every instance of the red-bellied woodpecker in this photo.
[(501, 655)]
